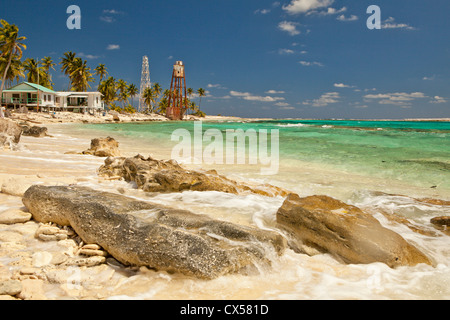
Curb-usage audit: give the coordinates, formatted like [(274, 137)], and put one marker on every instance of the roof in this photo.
[(75, 93), (28, 87)]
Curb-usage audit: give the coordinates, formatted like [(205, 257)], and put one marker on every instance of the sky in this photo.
[(261, 58)]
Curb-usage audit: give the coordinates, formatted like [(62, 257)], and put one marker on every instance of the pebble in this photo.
[(14, 215), (10, 287)]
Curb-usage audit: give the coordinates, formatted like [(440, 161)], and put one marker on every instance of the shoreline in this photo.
[(69, 117), (44, 161)]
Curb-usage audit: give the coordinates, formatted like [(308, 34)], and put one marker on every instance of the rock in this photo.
[(145, 234), (17, 185), (32, 289), (441, 221), (50, 233), (115, 115), (153, 175), (10, 287), (10, 236), (10, 132), (85, 262), (103, 147), (345, 232), (12, 216), (34, 131)]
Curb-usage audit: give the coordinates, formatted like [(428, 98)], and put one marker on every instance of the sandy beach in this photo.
[(41, 270)]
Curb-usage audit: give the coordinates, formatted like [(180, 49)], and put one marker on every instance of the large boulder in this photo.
[(153, 175), (10, 132), (103, 147), (145, 234), (34, 131), (344, 231)]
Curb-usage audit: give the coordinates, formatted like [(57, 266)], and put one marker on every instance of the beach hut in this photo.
[(29, 95), (38, 98)]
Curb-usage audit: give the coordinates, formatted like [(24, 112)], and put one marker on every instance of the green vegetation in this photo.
[(118, 95)]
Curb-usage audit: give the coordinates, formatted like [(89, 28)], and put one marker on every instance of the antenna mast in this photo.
[(145, 83)]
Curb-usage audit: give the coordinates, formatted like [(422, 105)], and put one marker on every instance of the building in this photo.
[(39, 98)]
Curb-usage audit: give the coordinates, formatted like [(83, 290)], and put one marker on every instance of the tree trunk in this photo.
[(3, 84)]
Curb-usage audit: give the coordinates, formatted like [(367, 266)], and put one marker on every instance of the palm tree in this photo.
[(67, 63), (15, 71), (149, 98), (36, 74), (80, 75), (10, 46), (101, 72), (122, 86), (108, 89), (132, 91), (47, 63), (201, 93), (190, 91)]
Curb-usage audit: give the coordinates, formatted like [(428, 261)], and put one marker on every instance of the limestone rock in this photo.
[(442, 223), (10, 287), (10, 132), (34, 131), (17, 185), (32, 289), (145, 234), (12, 216), (345, 232), (103, 147), (153, 175)]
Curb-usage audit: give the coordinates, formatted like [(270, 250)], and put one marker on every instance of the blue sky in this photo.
[(261, 58)]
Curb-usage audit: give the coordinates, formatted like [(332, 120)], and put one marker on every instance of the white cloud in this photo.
[(88, 56), (398, 98), (328, 12), (262, 11), (107, 19), (289, 27), (344, 18), (250, 97), (390, 23), (112, 11), (113, 47), (216, 86), (285, 51), (438, 99), (429, 78), (341, 85), (310, 63), (282, 104), (303, 6), (274, 92), (324, 100)]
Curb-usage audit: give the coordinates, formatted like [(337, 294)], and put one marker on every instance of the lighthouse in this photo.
[(177, 104)]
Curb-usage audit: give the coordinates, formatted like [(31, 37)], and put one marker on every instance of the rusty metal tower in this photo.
[(145, 83), (177, 105)]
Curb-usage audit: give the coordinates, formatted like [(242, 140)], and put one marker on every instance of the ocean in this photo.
[(379, 166)]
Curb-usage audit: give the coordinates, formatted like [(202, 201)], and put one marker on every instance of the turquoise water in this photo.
[(417, 153)]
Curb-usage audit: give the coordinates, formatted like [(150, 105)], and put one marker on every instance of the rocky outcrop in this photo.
[(442, 223), (34, 131), (153, 175), (103, 147), (145, 234), (331, 226), (10, 132)]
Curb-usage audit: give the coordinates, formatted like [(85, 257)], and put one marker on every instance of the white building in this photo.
[(36, 97)]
